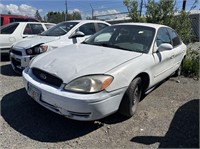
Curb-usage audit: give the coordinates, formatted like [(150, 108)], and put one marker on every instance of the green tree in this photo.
[(132, 7), (37, 15), (161, 12), (76, 15), (56, 17)]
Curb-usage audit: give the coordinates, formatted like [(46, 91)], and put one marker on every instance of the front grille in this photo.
[(16, 52), (47, 78)]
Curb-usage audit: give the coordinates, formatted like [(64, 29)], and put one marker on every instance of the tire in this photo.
[(131, 98)]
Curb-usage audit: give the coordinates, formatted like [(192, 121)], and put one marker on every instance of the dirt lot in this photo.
[(167, 117)]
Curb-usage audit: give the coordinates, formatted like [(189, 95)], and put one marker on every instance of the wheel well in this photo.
[(145, 80)]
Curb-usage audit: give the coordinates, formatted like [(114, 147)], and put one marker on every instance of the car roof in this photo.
[(87, 21), (156, 26)]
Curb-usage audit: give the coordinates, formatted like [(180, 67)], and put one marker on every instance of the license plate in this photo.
[(34, 92)]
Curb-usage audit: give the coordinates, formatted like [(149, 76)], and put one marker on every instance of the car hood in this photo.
[(34, 40), (77, 60)]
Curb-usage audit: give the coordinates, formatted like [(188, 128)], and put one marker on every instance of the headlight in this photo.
[(37, 50), (43, 48), (89, 84), (29, 51)]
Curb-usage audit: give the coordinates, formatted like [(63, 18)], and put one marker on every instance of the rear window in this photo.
[(9, 29), (33, 29)]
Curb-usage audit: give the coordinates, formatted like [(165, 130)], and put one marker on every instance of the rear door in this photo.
[(178, 49)]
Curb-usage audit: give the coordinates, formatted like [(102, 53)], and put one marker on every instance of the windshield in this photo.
[(124, 37), (60, 29)]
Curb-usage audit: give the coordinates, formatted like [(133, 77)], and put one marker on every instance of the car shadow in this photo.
[(183, 131), (7, 70), (34, 121)]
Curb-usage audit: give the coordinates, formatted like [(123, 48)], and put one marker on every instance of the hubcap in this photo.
[(137, 93)]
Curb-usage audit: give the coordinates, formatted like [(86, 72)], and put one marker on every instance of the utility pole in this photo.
[(141, 5), (92, 11), (66, 10), (184, 4)]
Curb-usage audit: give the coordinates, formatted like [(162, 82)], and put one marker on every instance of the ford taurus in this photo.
[(106, 73)]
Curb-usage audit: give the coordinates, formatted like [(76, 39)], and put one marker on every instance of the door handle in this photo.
[(25, 36)]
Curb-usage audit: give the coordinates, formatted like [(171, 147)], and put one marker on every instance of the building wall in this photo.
[(195, 20)]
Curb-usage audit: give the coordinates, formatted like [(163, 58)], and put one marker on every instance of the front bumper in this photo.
[(19, 62), (84, 107)]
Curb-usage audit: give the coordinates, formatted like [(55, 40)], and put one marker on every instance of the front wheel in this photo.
[(131, 98)]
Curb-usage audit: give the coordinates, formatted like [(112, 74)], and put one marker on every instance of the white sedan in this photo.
[(107, 73), (60, 35), (16, 31)]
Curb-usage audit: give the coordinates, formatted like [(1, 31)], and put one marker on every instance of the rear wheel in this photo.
[(131, 98)]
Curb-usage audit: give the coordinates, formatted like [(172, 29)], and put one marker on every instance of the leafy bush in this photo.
[(191, 64)]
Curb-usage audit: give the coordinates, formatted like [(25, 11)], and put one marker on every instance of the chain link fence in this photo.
[(195, 21)]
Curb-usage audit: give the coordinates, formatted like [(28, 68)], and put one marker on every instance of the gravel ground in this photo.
[(168, 117), (194, 46)]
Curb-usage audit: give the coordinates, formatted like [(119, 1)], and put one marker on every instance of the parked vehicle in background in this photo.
[(6, 19), (106, 73), (16, 31), (65, 33)]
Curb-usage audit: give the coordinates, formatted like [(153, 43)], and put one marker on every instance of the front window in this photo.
[(87, 29), (124, 37), (162, 37), (60, 29), (175, 39)]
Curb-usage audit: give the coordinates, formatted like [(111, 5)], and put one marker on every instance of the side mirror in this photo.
[(77, 34), (165, 47)]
